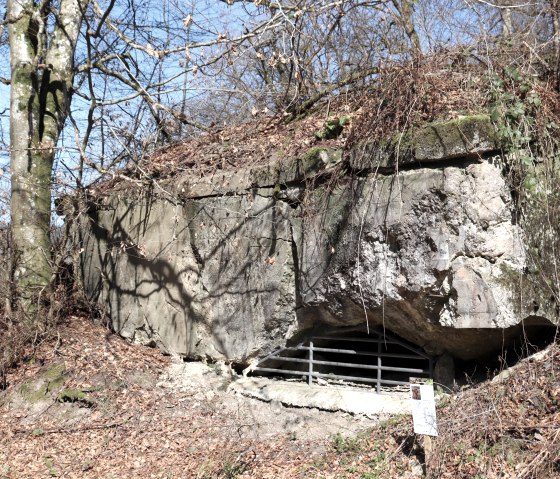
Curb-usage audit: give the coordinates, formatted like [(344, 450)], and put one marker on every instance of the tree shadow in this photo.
[(183, 273)]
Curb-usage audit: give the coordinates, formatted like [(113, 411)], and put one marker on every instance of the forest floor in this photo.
[(88, 404)]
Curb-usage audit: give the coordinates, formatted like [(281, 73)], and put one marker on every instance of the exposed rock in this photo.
[(49, 382), (251, 258), (421, 252)]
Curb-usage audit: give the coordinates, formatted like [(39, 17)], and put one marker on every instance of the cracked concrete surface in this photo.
[(268, 413), (324, 397), (254, 258)]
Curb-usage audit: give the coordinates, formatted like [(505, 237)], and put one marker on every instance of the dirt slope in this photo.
[(89, 405)]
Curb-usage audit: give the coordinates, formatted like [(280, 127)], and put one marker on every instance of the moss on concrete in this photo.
[(535, 288), (52, 379), (450, 139), (438, 141), (318, 158), (332, 128)]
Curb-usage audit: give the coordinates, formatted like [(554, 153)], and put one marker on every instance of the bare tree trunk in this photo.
[(406, 12), (555, 14), (507, 22), (41, 85)]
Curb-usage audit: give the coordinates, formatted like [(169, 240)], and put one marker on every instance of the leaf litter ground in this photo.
[(140, 414)]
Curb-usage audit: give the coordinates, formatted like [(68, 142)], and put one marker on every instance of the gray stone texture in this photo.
[(252, 258), (207, 278), (464, 137), (421, 253)]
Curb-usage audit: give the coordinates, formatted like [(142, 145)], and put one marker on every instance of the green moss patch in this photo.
[(460, 137), (464, 137), (52, 379)]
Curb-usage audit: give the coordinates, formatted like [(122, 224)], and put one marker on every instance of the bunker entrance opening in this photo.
[(379, 359)]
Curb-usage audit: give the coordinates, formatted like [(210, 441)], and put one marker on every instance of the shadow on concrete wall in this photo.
[(176, 287)]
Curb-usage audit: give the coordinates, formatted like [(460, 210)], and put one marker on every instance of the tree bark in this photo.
[(406, 12), (42, 75)]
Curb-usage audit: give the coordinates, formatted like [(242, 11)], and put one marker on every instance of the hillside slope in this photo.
[(88, 404)]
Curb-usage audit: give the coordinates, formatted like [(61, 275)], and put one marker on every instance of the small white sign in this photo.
[(423, 408)]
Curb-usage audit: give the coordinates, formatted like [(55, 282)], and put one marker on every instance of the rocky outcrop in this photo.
[(251, 258)]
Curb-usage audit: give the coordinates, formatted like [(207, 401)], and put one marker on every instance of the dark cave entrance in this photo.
[(526, 340)]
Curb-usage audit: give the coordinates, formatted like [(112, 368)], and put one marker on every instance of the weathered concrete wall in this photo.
[(210, 277), (253, 257), (422, 252)]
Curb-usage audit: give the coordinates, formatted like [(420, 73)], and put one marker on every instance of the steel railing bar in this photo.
[(378, 368), (310, 377), (273, 354), (356, 340), (358, 353), (331, 376), (353, 365), (386, 339)]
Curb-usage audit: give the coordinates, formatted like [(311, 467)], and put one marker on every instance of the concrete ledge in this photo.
[(328, 398), (277, 171), (466, 137)]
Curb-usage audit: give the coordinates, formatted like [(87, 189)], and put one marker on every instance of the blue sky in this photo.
[(210, 19)]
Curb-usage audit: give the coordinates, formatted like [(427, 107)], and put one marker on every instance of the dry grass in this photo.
[(399, 97), (504, 429), (509, 428)]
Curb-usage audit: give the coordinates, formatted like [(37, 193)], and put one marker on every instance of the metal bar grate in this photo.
[(373, 355)]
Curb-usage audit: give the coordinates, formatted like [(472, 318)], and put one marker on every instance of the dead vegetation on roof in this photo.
[(255, 142), (445, 86), (397, 98)]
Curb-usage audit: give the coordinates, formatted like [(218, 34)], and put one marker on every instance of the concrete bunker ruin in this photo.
[(239, 264)]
